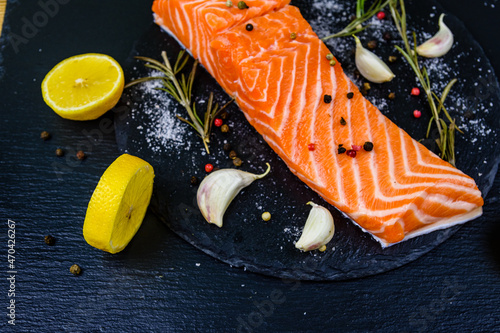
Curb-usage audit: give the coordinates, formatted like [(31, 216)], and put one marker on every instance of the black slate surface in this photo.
[(160, 283), (268, 248)]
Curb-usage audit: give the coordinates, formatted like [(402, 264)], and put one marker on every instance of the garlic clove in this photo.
[(318, 230), (371, 66), (219, 189), (439, 44)]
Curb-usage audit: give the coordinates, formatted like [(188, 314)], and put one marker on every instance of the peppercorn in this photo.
[(391, 95), (351, 153), (223, 115), (249, 27), (372, 44), (415, 91), (49, 240), (218, 122), (329, 56), (327, 99), (194, 180), (242, 5), (229, 3), (80, 155), (75, 269), (209, 167), (387, 36), (381, 15), (293, 35), (266, 216), (417, 114), (342, 150), (322, 248), (393, 58), (366, 86), (233, 155), (224, 128), (368, 146), (311, 147), (237, 162), (342, 121), (45, 135), (350, 95), (59, 152), (332, 62), (227, 147)]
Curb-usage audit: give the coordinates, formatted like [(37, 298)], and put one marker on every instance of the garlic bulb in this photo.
[(318, 230), (371, 66), (219, 188), (439, 44)]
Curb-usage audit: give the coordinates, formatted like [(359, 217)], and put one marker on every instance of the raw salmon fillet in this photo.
[(397, 191)]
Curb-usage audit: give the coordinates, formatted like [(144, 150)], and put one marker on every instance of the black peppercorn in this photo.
[(249, 27), (227, 147), (194, 180), (342, 121), (469, 115), (387, 36), (233, 155), (49, 240), (59, 152), (391, 95), (372, 44), (350, 95), (368, 146), (327, 99), (342, 150), (223, 115), (45, 135)]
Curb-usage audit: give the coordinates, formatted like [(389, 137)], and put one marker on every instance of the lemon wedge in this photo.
[(83, 87), (118, 204)]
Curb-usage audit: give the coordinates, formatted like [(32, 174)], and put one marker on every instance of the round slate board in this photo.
[(146, 127)]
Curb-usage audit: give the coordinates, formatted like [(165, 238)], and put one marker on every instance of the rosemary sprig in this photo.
[(181, 90), (446, 140), (362, 16)]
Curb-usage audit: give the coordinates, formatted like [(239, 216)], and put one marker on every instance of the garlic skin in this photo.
[(439, 44), (318, 230), (219, 188), (371, 66)]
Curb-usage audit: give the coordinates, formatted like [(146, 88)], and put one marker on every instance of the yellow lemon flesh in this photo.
[(118, 204), (83, 87)]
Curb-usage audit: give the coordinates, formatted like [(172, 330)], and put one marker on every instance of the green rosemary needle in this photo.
[(181, 90), (446, 140)]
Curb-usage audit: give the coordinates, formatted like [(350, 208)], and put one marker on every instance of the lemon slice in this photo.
[(118, 204), (83, 87)]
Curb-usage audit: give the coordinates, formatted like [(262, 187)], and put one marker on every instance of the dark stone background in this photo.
[(161, 283)]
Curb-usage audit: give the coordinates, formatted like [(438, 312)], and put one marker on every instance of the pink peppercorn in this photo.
[(381, 15), (311, 146), (417, 114), (356, 147), (415, 91), (351, 153), (209, 167), (218, 122)]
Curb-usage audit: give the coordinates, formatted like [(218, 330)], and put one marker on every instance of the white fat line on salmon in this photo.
[(410, 173), (286, 115), (334, 149), (278, 89), (359, 188), (441, 167), (423, 217)]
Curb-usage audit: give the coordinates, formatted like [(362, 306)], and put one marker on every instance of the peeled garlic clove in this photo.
[(318, 230), (219, 188), (371, 66), (439, 44)]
